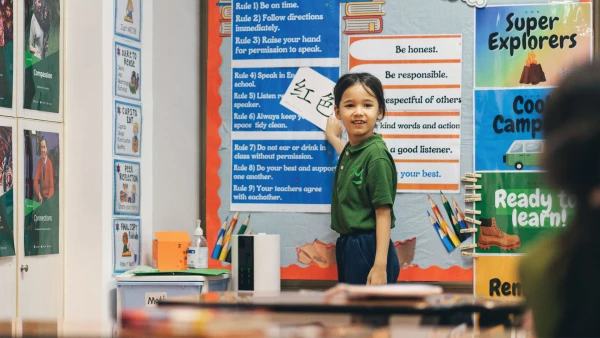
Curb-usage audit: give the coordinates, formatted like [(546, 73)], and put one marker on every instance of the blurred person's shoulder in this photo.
[(538, 274), (540, 256)]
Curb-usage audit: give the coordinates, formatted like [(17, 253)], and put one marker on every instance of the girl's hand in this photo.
[(334, 127), (333, 131), (377, 275)]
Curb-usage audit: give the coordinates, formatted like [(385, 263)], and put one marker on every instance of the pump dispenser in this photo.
[(198, 250)]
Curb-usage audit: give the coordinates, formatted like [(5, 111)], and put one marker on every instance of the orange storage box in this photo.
[(169, 250)]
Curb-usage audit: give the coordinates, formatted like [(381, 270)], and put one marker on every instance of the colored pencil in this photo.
[(234, 220), (249, 231), (455, 225), (218, 248), (460, 216), (459, 212), (225, 249), (443, 223), (219, 243), (447, 244), (460, 220), (240, 232), (229, 231), (244, 226), (462, 224)]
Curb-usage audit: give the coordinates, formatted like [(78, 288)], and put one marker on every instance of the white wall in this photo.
[(84, 138), (176, 72), (89, 40), (170, 152)]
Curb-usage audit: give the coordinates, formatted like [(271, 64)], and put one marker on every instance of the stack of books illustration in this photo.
[(225, 20), (363, 17)]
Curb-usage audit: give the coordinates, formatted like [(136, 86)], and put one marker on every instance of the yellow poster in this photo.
[(497, 277)]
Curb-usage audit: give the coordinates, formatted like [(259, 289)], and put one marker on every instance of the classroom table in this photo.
[(250, 326), (435, 310)]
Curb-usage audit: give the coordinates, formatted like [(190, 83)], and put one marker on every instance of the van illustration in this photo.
[(523, 153)]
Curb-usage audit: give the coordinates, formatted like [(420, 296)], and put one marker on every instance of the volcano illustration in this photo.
[(532, 72)]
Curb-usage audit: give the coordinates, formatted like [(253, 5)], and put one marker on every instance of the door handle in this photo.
[(24, 268)]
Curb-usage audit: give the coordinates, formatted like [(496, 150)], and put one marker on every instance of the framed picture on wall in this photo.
[(127, 134), (127, 188), (41, 42), (40, 187), (128, 19), (7, 53), (127, 71), (126, 244), (7, 179)]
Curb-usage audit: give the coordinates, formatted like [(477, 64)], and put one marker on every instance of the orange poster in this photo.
[(497, 277)]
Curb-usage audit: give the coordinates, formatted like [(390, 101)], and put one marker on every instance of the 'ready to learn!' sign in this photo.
[(521, 205)]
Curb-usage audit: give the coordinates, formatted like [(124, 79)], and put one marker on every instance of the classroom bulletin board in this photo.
[(271, 69)]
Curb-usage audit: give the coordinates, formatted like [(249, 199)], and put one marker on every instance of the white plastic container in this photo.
[(198, 250)]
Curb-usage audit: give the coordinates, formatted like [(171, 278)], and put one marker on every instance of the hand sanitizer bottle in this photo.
[(198, 250)]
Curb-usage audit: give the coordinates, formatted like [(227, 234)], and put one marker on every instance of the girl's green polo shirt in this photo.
[(365, 179)]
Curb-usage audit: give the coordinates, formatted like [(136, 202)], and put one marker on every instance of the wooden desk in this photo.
[(436, 309)]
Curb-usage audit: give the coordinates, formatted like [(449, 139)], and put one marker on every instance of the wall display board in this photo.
[(280, 161), (269, 67), (521, 53), (421, 76), (127, 134)]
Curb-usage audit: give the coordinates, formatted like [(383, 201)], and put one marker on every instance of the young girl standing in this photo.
[(364, 184)]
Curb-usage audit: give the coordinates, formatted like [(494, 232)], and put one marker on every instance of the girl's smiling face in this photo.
[(359, 111)]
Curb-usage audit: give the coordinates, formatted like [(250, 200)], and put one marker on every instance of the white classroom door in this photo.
[(8, 265), (8, 288), (40, 288)]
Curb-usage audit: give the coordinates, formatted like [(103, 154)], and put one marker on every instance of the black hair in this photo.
[(369, 82), (571, 125)]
